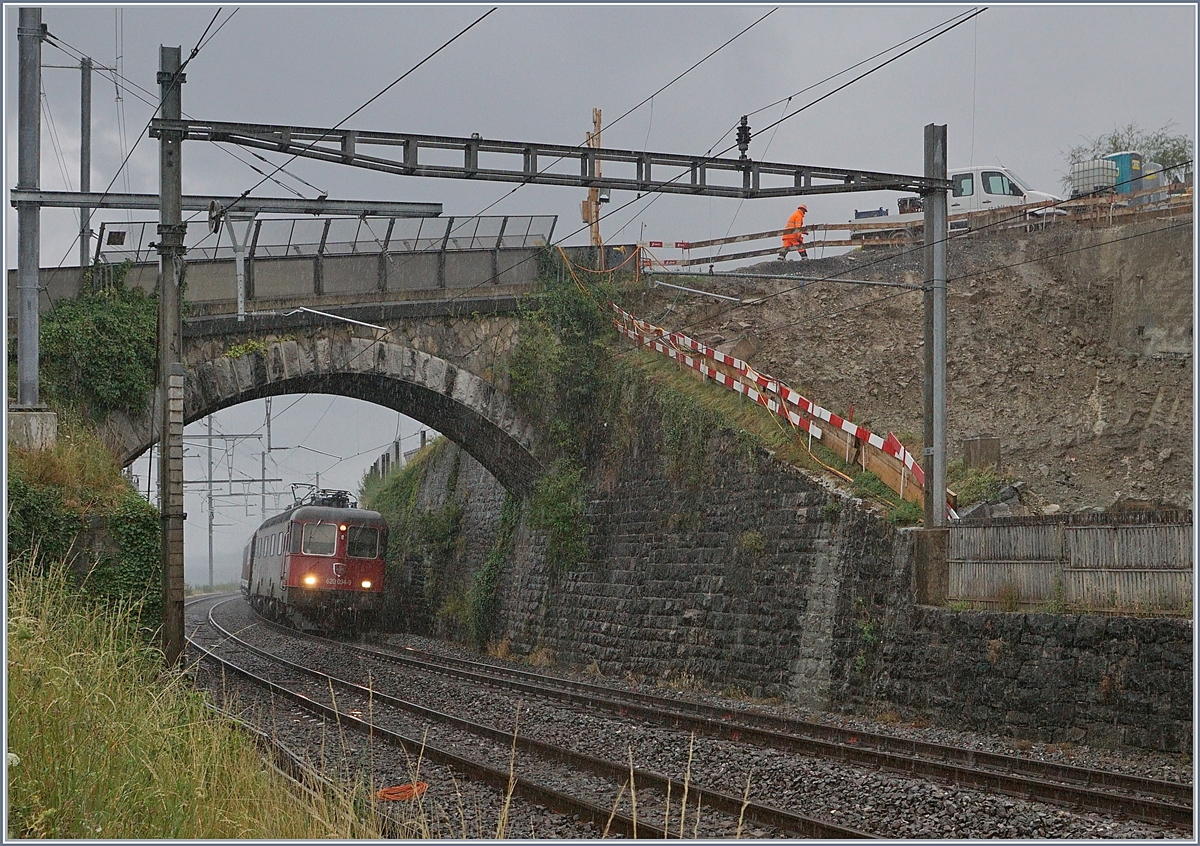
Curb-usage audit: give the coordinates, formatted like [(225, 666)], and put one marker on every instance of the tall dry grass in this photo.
[(103, 742), (79, 465)]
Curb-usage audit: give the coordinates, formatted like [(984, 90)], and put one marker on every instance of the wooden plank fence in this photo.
[(1109, 562)]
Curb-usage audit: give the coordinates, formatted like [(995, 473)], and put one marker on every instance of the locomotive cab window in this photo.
[(362, 542), (295, 536), (319, 538)]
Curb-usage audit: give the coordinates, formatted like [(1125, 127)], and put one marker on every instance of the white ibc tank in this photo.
[(1096, 175)]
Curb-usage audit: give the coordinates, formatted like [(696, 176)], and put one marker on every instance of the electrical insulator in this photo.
[(743, 136)]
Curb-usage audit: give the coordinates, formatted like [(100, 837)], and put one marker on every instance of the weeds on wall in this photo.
[(55, 495), (482, 597), (557, 372), (975, 484), (556, 508), (98, 351), (415, 540), (561, 373), (686, 425)]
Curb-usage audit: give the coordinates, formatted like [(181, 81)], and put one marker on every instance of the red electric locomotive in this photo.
[(319, 565)]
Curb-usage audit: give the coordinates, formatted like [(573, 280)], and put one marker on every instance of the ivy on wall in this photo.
[(482, 598), (98, 351)]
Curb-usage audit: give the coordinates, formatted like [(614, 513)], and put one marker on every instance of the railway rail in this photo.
[(310, 689), (837, 785), (1080, 788)]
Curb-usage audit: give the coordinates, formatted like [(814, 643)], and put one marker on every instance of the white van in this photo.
[(973, 189), (981, 188)]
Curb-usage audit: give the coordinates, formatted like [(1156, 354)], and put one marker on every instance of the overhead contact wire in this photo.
[(174, 82), (387, 88)]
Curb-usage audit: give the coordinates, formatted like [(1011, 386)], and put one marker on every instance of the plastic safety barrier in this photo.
[(884, 456)]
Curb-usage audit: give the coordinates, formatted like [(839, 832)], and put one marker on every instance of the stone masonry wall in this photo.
[(761, 581), (747, 582), (1086, 678)]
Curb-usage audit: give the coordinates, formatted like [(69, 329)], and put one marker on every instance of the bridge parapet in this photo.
[(317, 261)]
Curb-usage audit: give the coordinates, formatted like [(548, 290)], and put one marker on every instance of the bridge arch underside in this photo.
[(457, 403), (503, 456)]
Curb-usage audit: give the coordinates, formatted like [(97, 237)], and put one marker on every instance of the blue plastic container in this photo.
[(1129, 170)]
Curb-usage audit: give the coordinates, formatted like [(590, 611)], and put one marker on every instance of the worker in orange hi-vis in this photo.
[(794, 238)]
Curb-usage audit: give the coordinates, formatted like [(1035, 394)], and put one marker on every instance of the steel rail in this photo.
[(289, 765), (762, 814), (498, 779), (1155, 801)]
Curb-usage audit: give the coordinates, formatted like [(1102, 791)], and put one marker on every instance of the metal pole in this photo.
[(210, 504), (262, 504), (170, 335), (239, 258), (85, 158), (29, 163), (936, 233)]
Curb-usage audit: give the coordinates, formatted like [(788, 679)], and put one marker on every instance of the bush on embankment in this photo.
[(71, 502), (103, 743)]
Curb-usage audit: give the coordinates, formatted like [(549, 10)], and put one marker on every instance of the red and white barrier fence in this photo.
[(899, 470)]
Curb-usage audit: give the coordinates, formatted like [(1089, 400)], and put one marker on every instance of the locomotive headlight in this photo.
[(342, 527), (366, 584), (310, 580)]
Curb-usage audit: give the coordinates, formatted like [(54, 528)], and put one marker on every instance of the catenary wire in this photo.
[(787, 100), (805, 90), (626, 114), (657, 192), (174, 82), (117, 78), (788, 116), (387, 88), (630, 111)]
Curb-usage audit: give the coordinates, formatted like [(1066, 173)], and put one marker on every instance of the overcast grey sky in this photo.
[(1018, 85)]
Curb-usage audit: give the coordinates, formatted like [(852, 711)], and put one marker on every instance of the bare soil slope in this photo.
[(1073, 346)]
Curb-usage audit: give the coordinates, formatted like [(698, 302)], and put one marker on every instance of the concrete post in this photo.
[(29, 163), (936, 233), (85, 158), (170, 336)]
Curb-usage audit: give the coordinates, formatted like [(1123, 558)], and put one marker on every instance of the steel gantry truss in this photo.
[(519, 161)]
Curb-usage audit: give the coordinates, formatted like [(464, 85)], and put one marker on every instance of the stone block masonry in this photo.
[(1086, 678), (754, 579)]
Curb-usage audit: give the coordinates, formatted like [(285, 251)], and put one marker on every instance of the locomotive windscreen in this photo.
[(320, 538), (362, 542)]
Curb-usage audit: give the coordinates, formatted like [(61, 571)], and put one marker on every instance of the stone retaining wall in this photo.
[(762, 582), (1086, 678)]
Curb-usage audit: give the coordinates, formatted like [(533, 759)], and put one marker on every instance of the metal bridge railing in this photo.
[(329, 236)]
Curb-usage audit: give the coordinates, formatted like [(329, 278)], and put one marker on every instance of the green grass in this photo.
[(103, 742), (975, 484), (761, 427)]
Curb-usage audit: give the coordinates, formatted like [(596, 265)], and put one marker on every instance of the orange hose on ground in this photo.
[(401, 791)]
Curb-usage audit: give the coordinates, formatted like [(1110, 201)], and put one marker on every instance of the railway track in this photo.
[(538, 775), (1078, 788)]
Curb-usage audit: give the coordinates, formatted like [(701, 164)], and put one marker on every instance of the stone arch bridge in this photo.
[(435, 361), (416, 316)]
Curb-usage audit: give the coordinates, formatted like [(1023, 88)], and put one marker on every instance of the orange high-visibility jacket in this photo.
[(796, 238)]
